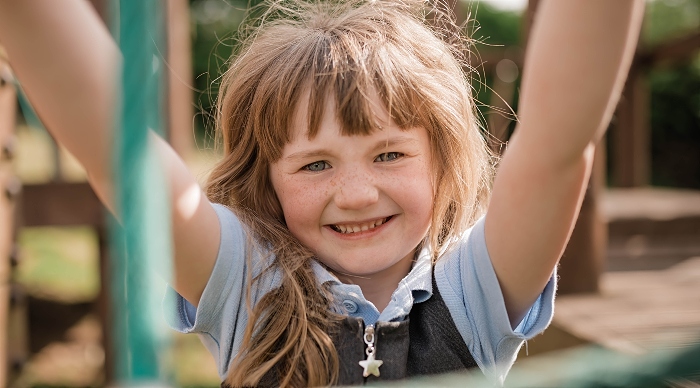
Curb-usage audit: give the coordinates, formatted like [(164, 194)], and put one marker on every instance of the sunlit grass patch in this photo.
[(59, 263)]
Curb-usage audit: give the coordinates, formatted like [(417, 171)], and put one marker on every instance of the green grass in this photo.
[(59, 263)]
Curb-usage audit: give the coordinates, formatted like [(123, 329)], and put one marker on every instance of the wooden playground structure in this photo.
[(629, 278)]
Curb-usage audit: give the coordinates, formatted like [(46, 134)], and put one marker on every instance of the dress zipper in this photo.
[(371, 365)]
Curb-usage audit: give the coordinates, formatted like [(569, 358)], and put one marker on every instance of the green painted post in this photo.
[(142, 246)]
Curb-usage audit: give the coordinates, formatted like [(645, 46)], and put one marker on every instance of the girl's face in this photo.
[(362, 204)]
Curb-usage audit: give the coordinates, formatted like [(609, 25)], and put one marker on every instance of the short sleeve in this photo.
[(467, 281), (221, 317)]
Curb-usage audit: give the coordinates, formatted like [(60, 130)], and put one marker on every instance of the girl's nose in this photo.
[(356, 190)]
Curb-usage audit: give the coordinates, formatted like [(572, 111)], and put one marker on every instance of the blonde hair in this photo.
[(411, 54)]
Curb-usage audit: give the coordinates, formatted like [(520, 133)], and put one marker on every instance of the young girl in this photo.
[(347, 235)]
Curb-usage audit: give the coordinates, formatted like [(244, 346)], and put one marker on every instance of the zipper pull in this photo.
[(370, 364)]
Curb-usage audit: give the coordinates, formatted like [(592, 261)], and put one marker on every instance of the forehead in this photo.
[(330, 116), (331, 141)]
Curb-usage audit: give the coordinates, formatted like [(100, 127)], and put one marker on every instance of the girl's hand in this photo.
[(575, 68)]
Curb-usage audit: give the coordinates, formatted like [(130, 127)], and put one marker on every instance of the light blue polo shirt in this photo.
[(465, 277)]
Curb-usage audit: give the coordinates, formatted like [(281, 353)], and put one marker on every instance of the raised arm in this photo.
[(68, 64), (575, 67)]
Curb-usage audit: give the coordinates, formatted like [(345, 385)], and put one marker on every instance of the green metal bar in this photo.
[(586, 367), (28, 112), (142, 243)]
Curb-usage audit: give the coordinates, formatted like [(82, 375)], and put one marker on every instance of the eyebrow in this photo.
[(313, 154), (394, 141), (323, 153)]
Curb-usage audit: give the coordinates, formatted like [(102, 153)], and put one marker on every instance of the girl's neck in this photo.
[(379, 287)]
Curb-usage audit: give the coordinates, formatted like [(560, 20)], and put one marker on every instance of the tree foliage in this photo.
[(675, 96)]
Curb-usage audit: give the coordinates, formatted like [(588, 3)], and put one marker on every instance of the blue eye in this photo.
[(388, 156), (316, 166)]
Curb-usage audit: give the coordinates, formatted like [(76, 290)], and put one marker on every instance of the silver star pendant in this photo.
[(371, 366)]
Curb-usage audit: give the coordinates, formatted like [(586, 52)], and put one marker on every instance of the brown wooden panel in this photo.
[(104, 305), (673, 50), (631, 151), (60, 204)]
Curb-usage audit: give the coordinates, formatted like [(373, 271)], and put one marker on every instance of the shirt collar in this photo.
[(323, 276), (418, 281)]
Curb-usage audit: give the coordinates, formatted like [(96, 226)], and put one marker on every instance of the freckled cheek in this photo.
[(421, 203), (416, 194), (301, 203)]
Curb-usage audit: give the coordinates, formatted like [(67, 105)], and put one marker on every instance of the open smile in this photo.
[(359, 227)]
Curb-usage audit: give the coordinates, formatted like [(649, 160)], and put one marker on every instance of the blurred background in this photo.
[(630, 279)]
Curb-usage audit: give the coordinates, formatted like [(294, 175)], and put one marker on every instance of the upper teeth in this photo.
[(358, 227)]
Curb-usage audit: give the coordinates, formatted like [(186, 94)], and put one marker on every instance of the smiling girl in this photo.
[(349, 233)]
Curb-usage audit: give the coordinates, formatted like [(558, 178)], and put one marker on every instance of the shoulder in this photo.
[(470, 288), (467, 251), (238, 249), (222, 314), (227, 218)]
